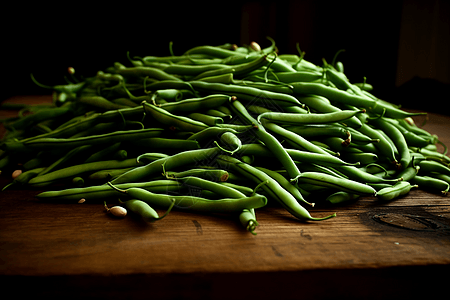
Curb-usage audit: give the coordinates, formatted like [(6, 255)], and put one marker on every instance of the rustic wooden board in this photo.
[(363, 252)]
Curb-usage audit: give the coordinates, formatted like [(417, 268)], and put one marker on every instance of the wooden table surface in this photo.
[(76, 250)]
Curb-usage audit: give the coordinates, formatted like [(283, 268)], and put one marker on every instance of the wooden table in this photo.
[(76, 250)]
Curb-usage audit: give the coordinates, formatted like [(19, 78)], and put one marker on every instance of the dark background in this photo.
[(400, 46)]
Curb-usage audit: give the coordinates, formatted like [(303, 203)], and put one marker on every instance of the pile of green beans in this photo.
[(221, 130)]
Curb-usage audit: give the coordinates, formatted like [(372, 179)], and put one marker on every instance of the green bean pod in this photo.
[(104, 191), (75, 170), (166, 164), (347, 185), (295, 140), (216, 175), (296, 155), (315, 130), (431, 183), (194, 203), (321, 104), (144, 210), (230, 142), (169, 119), (24, 177), (341, 197), (39, 116), (67, 143), (312, 118), (248, 219), (204, 118), (247, 93), (434, 166), (220, 189), (196, 104), (399, 189), (108, 174)]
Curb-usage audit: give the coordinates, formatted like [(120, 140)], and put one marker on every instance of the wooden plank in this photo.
[(40, 237)]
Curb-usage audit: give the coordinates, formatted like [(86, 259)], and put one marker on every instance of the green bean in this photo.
[(218, 113), (293, 139), (313, 167), (230, 142), (212, 51), (322, 105), (246, 93), (66, 143), (412, 139), (166, 164), (41, 115), (68, 88), (24, 177), (399, 189), (340, 145), (342, 184), (220, 189), (314, 130), (107, 174), (101, 154), (363, 158), (433, 155), (431, 183), (312, 118), (434, 166), (210, 133), (191, 70), (237, 69), (297, 155), (180, 122), (168, 59), (270, 186), (87, 121), (99, 129), (296, 76), (144, 210), (99, 102), (362, 176), (96, 192), (216, 175), (196, 104), (76, 170), (204, 118), (408, 173), (360, 138), (248, 219), (69, 156), (408, 123), (335, 95), (124, 102), (194, 203), (341, 197)]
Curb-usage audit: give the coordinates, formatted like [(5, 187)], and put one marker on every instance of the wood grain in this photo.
[(61, 247)]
